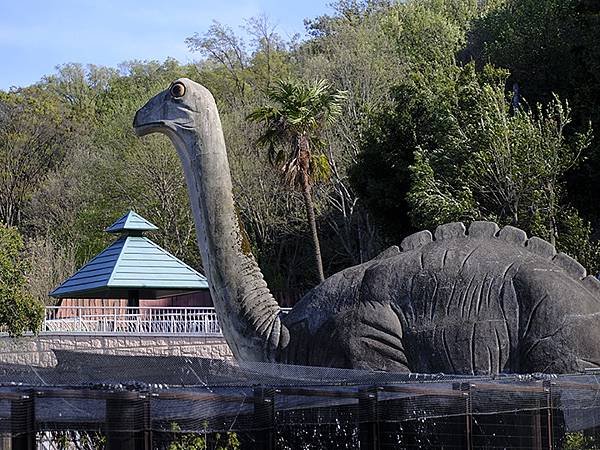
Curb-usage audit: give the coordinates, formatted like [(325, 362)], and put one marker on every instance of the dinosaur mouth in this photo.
[(147, 128)]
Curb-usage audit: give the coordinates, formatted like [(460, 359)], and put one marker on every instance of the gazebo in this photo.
[(133, 268)]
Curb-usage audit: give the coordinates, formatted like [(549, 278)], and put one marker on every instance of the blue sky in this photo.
[(36, 36)]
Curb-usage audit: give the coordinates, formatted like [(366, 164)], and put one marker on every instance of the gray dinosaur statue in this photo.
[(476, 301)]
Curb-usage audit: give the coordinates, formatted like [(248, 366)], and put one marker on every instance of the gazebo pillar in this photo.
[(133, 300)]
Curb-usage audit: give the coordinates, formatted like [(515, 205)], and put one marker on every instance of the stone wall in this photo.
[(37, 351)]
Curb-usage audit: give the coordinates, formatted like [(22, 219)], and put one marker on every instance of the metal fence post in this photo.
[(264, 418), (549, 406), (22, 418), (127, 422), (466, 389), (536, 425), (146, 422), (368, 417)]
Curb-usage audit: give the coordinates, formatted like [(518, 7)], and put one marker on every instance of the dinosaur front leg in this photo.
[(371, 337), (564, 347), (557, 324)]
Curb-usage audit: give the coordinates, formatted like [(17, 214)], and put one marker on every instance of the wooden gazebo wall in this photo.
[(194, 299)]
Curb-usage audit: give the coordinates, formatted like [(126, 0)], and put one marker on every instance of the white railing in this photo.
[(124, 320), (139, 320)]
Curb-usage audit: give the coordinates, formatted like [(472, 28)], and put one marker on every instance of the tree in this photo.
[(381, 174), (301, 113), (493, 163), (551, 47), (32, 142), (455, 148), (200, 441), (19, 312), (356, 49), (49, 263), (239, 72), (392, 70), (238, 69), (136, 174)]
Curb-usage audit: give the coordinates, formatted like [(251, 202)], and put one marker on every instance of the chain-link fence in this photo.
[(93, 401)]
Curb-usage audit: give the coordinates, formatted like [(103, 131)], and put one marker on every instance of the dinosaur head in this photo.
[(171, 111)]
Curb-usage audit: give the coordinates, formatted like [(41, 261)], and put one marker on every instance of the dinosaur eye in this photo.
[(177, 90)]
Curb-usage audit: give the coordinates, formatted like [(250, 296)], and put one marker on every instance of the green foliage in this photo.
[(492, 164), (419, 117), (551, 47), (418, 139), (194, 441), (579, 441), (576, 237), (319, 168), (426, 36), (451, 147), (32, 142), (134, 174), (65, 440), (236, 68), (548, 35), (19, 312)]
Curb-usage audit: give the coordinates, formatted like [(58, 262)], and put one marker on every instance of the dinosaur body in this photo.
[(482, 301), (485, 302)]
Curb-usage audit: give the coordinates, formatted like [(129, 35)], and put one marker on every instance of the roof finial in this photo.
[(131, 223)]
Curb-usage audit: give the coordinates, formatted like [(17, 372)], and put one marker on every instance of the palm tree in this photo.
[(292, 128)]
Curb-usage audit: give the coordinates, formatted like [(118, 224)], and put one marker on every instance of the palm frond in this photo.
[(298, 109), (264, 114)]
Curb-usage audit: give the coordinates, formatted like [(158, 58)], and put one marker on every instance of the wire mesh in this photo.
[(70, 440), (134, 402)]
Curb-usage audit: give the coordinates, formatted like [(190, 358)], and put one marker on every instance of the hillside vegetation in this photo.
[(452, 110)]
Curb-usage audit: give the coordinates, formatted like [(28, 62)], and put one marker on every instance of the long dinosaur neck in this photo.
[(248, 313)]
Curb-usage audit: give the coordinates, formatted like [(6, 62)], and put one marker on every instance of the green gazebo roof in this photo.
[(133, 263)]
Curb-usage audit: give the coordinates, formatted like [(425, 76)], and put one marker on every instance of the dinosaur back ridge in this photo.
[(509, 234)]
